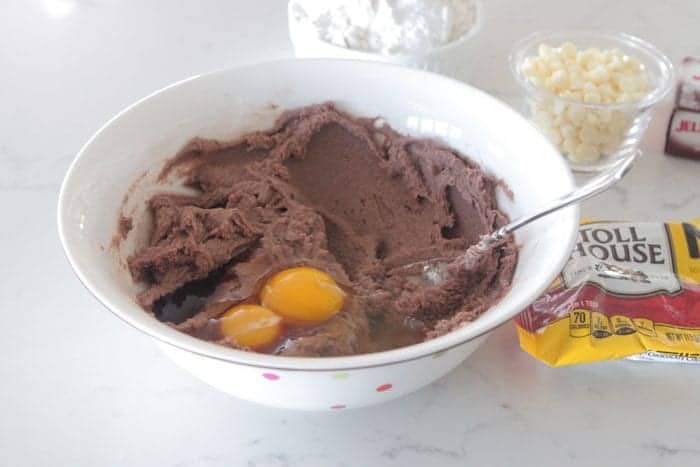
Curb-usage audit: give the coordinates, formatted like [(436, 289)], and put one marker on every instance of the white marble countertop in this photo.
[(80, 388)]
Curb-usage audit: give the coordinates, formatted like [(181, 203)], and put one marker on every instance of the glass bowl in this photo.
[(606, 132), (447, 59)]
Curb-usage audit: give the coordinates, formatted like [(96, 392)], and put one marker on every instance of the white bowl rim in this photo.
[(368, 54), (171, 336)]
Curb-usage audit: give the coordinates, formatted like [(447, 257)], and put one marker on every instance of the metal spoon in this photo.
[(434, 271)]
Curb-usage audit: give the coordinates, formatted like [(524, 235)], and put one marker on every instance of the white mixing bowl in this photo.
[(226, 103)]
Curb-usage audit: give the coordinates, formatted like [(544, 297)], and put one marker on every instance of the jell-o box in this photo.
[(683, 135)]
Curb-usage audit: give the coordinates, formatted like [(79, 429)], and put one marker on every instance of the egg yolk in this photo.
[(251, 326), (303, 294)]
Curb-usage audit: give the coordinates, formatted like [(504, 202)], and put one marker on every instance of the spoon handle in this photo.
[(594, 186)]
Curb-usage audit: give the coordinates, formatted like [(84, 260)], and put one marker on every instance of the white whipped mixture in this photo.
[(386, 26)]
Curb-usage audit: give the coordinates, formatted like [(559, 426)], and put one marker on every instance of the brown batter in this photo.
[(348, 196)]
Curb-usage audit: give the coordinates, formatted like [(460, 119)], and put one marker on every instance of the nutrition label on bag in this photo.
[(628, 290)]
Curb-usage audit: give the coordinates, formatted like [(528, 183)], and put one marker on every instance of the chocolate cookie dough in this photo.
[(348, 196)]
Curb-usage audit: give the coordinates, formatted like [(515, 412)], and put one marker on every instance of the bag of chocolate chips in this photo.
[(629, 290)]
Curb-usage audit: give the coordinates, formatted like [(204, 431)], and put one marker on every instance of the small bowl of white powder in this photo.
[(425, 34)]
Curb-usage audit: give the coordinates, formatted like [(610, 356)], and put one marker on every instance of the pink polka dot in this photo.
[(271, 376), (338, 406), (384, 387)]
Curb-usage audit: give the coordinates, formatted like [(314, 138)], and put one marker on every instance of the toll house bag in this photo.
[(629, 290)]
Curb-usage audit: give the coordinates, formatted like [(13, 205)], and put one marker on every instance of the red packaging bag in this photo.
[(629, 290)]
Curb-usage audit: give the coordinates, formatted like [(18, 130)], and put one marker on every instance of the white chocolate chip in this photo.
[(568, 131), (568, 146), (575, 114), (592, 77), (585, 153), (605, 115), (599, 74), (591, 98), (560, 79), (568, 50)]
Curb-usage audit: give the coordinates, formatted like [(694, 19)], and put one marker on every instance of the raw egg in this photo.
[(302, 294), (251, 326)]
